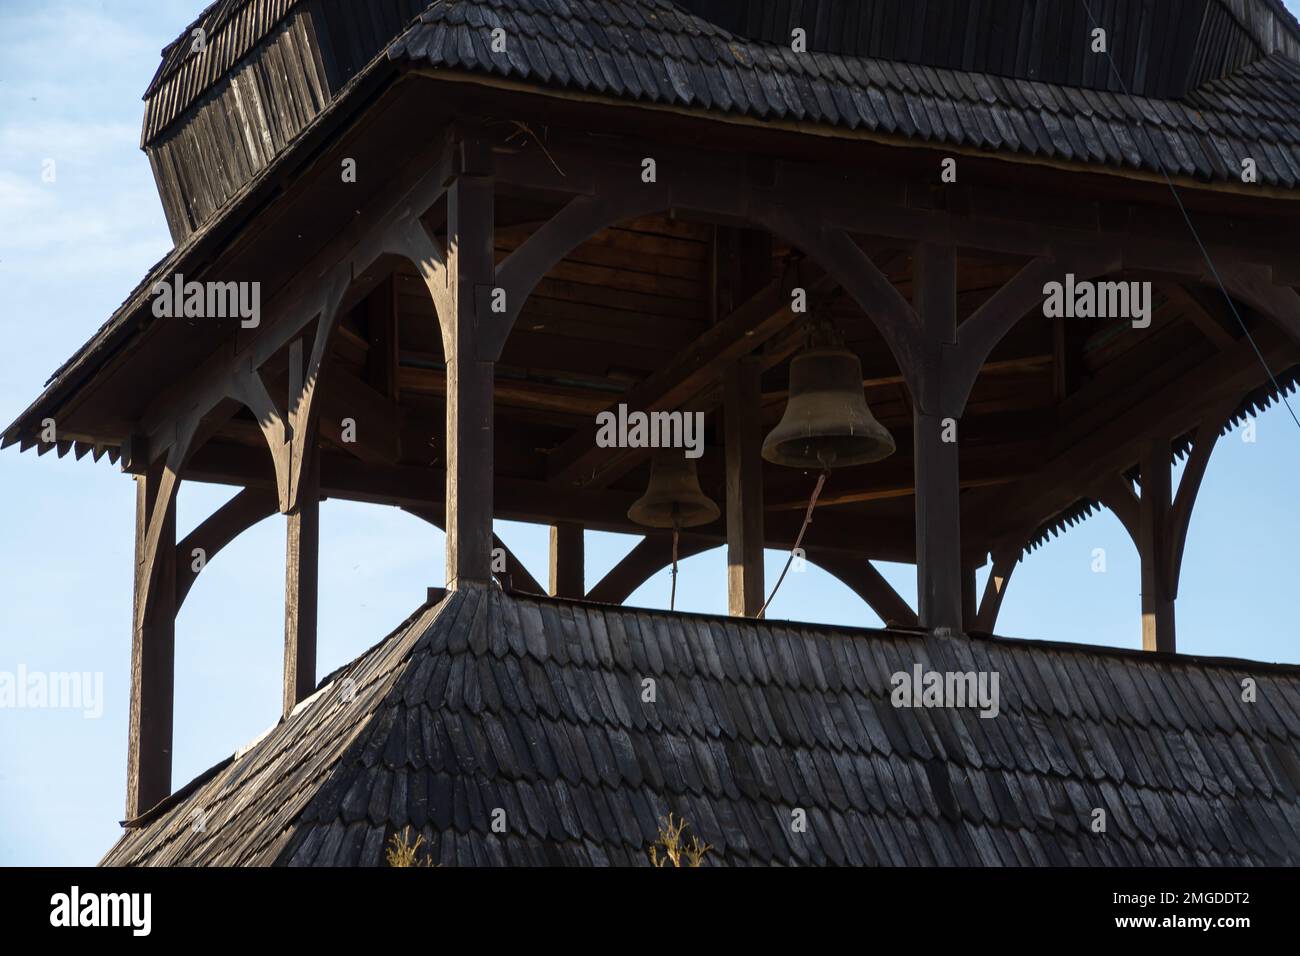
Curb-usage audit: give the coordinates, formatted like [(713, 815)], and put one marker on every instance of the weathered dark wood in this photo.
[(216, 531), (579, 220), (640, 564), (969, 597), (837, 199), (744, 443), (1208, 312), (995, 589), (1180, 513), (153, 644), (469, 383), (377, 438), (301, 582), (741, 266), (880, 537), (1117, 494), (579, 461), (979, 334), (315, 290), (862, 577), (1091, 454), (1153, 548), (938, 521), (567, 561), (382, 331), (515, 578)]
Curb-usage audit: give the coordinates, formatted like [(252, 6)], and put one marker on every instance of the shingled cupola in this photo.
[(476, 227)]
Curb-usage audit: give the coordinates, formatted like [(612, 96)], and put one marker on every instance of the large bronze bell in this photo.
[(827, 423), (673, 498)]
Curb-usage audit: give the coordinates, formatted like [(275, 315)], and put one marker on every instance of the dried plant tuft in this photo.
[(676, 851)]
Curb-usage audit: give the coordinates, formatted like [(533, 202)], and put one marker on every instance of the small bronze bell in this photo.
[(673, 498), (827, 423)]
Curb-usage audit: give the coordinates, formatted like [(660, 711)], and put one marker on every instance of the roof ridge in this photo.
[(1095, 650)]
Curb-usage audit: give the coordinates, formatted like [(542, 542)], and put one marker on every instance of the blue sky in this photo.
[(71, 77)]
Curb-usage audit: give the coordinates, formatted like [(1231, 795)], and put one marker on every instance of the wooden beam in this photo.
[(317, 289), (578, 221), (579, 461), (995, 588), (885, 538), (1253, 285), (858, 201), (377, 433), (1117, 494), (237, 515), (969, 599), (516, 577), (1094, 452), (744, 465), (470, 374), (938, 510), (1180, 514), (1153, 548), (742, 265), (153, 644), (650, 556), (989, 324), (862, 577), (567, 561), (1211, 315), (304, 387), (301, 588), (249, 387)]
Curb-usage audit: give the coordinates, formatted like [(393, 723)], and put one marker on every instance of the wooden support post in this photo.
[(969, 605), (1154, 548), (567, 561), (744, 442), (995, 589), (469, 378), (938, 513), (742, 268), (301, 574), (153, 644)]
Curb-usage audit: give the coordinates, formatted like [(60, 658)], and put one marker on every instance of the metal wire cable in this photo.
[(1205, 254)]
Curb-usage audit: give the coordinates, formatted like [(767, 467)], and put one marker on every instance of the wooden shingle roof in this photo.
[(534, 706), (652, 51)]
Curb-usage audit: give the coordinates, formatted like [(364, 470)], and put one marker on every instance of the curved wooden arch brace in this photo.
[(995, 589), (862, 578), (221, 527), (582, 218), (163, 480), (413, 241), (1180, 515), (1118, 495), (519, 577), (651, 555), (249, 388), (843, 259), (153, 631)]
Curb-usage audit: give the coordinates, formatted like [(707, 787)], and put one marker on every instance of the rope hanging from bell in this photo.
[(827, 423), (798, 541)]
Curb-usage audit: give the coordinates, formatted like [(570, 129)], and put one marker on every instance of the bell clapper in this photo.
[(798, 541)]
